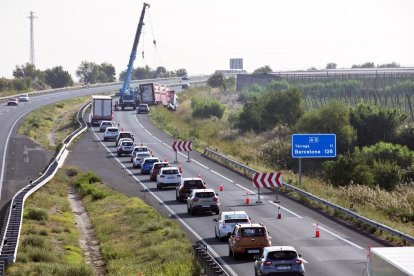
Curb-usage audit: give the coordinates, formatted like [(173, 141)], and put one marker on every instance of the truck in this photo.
[(127, 96), (385, 261), (101, 109), (149, 93), (172, 100)]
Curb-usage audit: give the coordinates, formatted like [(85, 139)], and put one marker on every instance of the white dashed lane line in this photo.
[(148, 132), (222, 176), (339, 237), (283, 208)]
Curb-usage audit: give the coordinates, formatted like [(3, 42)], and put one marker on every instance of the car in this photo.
[(187, 185), (13, 101), (185, 86), (138, 149), (139, 158), (226, 221), (143, 108), (203, 200), (124, 134), (156, 169), (248, 239), (274, 260), (111, 133), (125, 147), (104, 125), (147, 164), (185, 78), (24, 98), (168, 177), (121, 140)]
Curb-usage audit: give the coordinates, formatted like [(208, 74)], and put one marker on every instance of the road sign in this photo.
[(267, 180), (313, 145), (182, 146)]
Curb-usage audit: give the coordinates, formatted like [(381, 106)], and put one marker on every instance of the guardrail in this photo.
[(249, 172), (193, 79), (207, 262), (11, 235)]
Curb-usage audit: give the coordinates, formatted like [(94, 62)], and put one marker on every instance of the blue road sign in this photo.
[(313, 145)]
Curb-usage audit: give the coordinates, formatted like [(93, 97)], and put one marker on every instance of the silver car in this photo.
[(203, 200), (138, 149), (275, 260), (139, 158), (111, 133), (104, 125), (226, 221)]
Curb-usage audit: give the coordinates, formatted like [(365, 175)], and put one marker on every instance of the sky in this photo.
[(202, 36)]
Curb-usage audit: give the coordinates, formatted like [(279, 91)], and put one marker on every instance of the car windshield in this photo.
[(282, 255), (204, 195), (235, 216), (144, 154), (106, 123), (111, 130), (253, 232), (170, 171), (193, 184), (128, 143), (141, 149), (236, 220), (142, 106)]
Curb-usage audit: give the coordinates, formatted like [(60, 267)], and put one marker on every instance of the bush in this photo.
[(34, 241), (205, 108), (37, 214), (338, 172), (387, 175)]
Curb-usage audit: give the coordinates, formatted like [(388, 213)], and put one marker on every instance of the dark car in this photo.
[(156, 169), (187, 186), (277, 260)]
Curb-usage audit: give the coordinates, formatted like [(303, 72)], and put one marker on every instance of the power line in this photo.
[(32, 54)]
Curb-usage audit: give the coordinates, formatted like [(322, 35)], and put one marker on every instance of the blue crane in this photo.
[(126, 95)]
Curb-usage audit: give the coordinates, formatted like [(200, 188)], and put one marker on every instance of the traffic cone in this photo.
[(165, 159), (279, 215), (221, 187), (247, 198), (199, 175), (180, 168), (317, 234)]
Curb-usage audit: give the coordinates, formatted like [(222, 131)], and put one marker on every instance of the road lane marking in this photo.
[(339, 237), (198, 163), (283, 208), (168, 146), (148, 132), (250, 191), (228, 179), (157, 139), (216, 255)]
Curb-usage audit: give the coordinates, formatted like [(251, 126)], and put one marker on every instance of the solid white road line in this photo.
[(215, 254), (339, 237), (198, 163), (148, 132), (283, 208), (228, 179)]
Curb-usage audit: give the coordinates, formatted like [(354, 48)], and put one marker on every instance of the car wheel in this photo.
[(193, 212), (235, 255), (230, 252), (158, 186), (215, 233), (255, 272), (176, 197), (105, 139), (119, 154)]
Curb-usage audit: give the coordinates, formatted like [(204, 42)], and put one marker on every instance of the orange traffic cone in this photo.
[(180, 168), (221, 187), (165, 159), (279, 215), (247, 198), (199, 175), (317, 234)]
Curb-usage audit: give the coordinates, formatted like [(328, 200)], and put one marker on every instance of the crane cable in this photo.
[(154, 41)]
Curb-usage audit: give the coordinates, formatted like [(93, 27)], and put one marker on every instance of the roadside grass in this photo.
[(49, 238), (51, 124), (134, 237), (393, 209)]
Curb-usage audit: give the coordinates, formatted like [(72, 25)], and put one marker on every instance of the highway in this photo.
[(340, 249)]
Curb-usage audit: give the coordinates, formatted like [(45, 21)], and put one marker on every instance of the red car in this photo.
[(156, 169)]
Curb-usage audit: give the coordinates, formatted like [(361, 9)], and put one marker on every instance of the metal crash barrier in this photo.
[(209, 266)]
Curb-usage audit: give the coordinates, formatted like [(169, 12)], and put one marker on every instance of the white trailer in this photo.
[(394, 261), (101, 109)]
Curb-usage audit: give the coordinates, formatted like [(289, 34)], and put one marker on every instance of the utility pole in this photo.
[(32, 55)]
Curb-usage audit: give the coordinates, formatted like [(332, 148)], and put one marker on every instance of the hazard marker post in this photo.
[(267, 180), (182, 146)]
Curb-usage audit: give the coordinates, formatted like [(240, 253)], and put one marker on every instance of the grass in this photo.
[(51, 124), (134, 237), (42, 250), (395, 209)]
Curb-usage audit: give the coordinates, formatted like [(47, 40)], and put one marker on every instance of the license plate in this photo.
[(283, 267), (170, 177), (205, 206), (253, 251)]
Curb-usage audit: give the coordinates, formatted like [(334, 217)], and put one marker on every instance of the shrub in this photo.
[(34, 241), (387, 175), (338, 172), (204, 108), (37, 214)]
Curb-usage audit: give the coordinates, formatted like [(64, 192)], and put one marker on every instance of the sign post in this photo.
[(313, 146), (267, 180)]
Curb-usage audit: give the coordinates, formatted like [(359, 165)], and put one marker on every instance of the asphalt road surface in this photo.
[(340, 249)]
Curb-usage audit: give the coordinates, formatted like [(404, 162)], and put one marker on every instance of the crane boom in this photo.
[(127, 79)]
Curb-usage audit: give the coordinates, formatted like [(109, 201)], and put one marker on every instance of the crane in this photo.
[(126, 94)]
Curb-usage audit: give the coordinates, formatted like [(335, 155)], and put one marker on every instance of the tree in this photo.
[(107, 72), (216, 80), (57, 77), (27, 71), (312, 68), (87, 72), (331, 65), (181, 72), (332, 118), (364, 65), (374, 124), (161, 72), (389, 65), (263, 70)]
